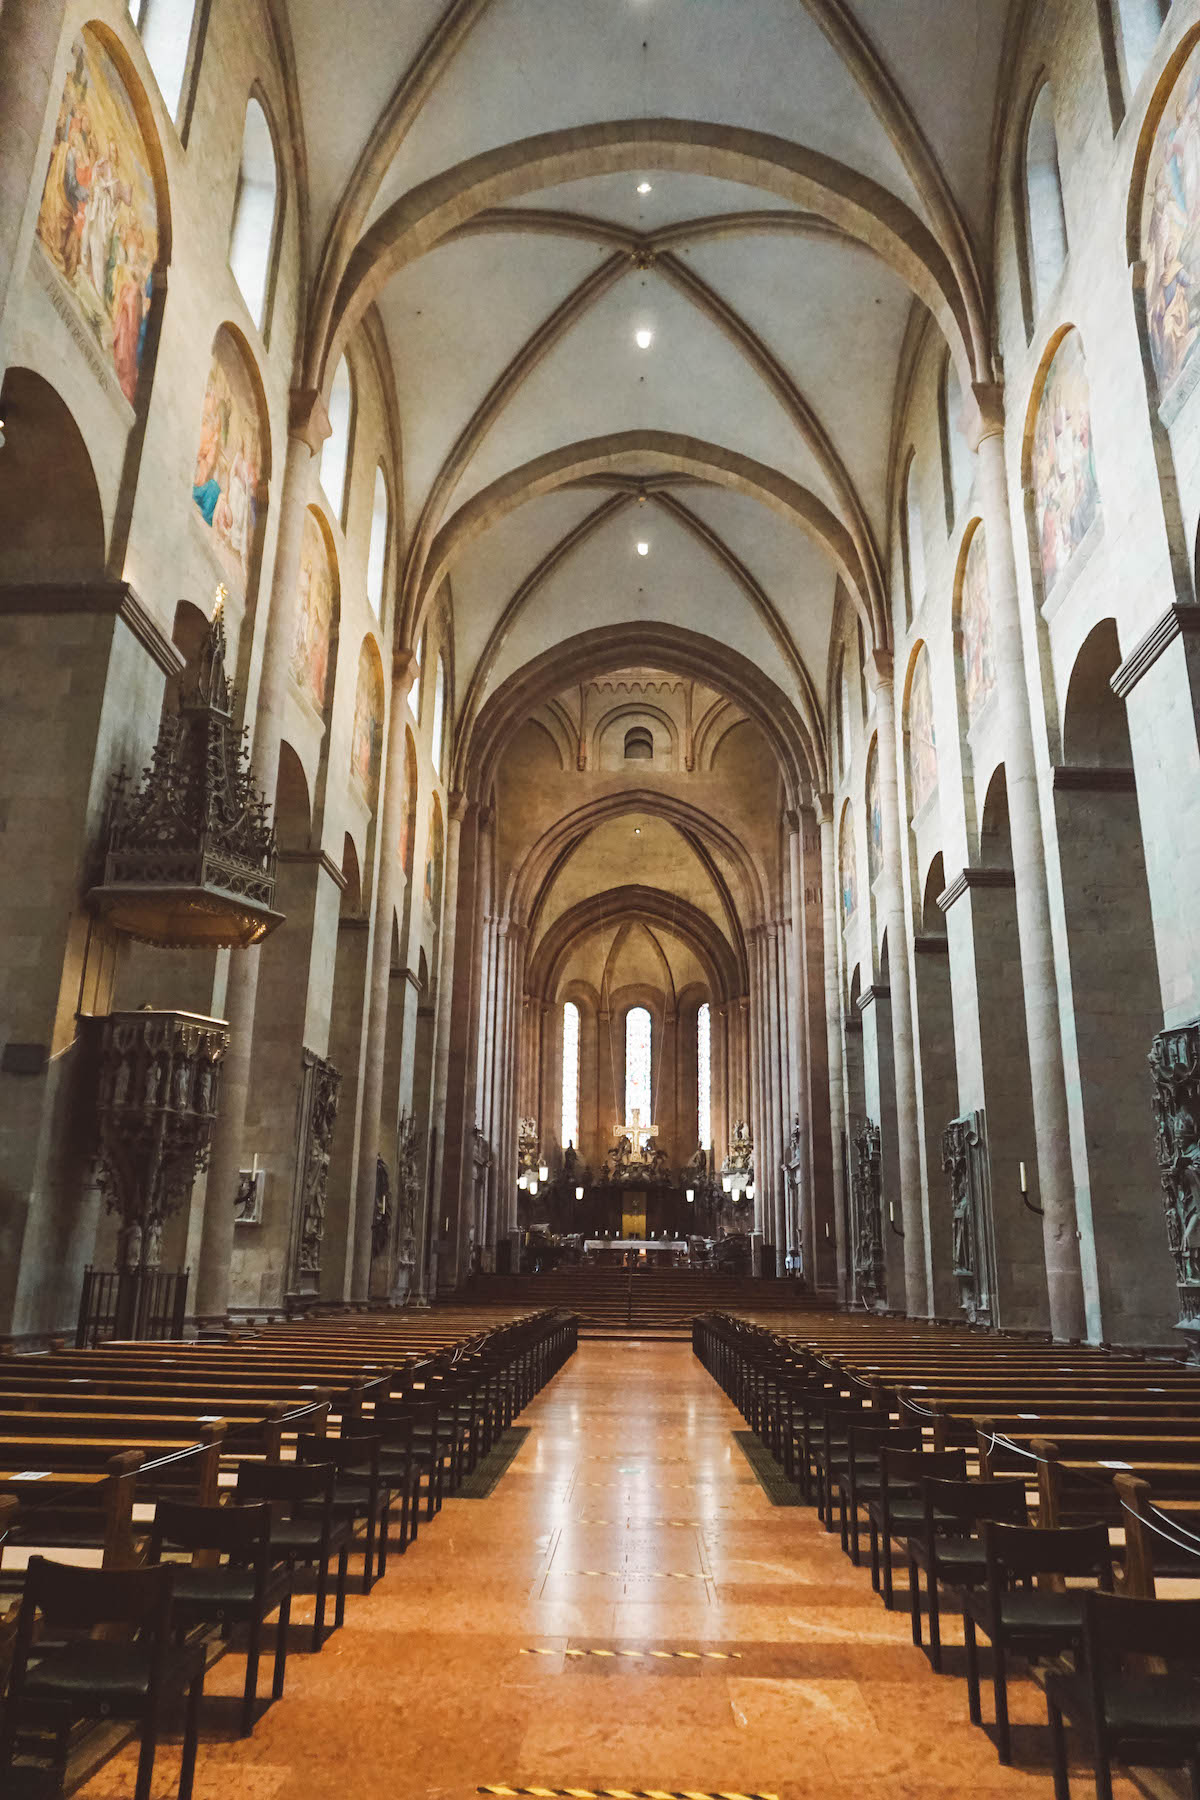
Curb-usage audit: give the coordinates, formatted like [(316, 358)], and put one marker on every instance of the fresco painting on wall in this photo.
[(98, 220), (314, 619), (404, 847), (229, 458), (922, 740), (874, 816), (1171, 230), (433, 858), (1065, 490), (848, 866), (975, 617), (366, 744)]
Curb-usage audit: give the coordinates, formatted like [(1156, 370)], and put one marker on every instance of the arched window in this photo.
[(335, 451), (704, 1075), (1138, 23), (1046, 220), (639, 744), (165, 28), (570, 1076), (414, 692), (439, 713), (956, 452), (639, 1093), (843, 711), (913, 540), (377, 553), (252, 241)]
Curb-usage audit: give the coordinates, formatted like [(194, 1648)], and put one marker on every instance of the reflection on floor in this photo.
[(626, 1611)]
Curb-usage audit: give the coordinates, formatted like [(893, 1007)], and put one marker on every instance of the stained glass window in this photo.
[(638, 1091), (570, 1066), (704, 1075)]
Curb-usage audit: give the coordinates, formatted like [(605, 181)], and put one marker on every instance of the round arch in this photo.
[(724, 968)]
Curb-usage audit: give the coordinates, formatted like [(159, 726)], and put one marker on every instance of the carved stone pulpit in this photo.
[(159, 1087)]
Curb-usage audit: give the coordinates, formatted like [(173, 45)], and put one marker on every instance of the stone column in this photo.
[(908, 1146), (387, 890), (776, 1079), (833, 1015), (806, 1212), (456, 810), (1056, 1180), (755, 1075), (30, 33), (308, 429)]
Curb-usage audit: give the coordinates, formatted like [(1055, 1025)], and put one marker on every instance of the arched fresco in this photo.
[(848, 864), (404, 848), (98, 219), (433, 858), (1063, 469), (1171, 230), (922, 738), (315, 616), (366, 743), (975, 623), (874, 816), (229, 458)]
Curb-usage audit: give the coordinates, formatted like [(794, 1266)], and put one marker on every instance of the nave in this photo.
[(532, 1641)]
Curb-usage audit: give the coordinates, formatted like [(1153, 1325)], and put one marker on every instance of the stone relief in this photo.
[(319, 1104), (1175, 1067), (870, 1264)]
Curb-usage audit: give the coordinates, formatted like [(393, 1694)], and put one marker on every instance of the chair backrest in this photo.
[(900, 1467), (235, 1531), (967, 1503), (873, 1436), (1023, 1550), (393, 1431), (289, 1483), (343, 1452), (71, 1598), (1115, 1626)]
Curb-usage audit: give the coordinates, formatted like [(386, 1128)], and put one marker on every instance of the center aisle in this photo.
[(512, 1646)]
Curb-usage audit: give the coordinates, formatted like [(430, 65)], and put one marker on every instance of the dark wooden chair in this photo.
[(242, 1590), (1131, 1715), (305, 1531), (1023, 1620), (858, 1480), (398, 1467), (897, 1510), (133, 1678), (359, 1490), (948, 1546)]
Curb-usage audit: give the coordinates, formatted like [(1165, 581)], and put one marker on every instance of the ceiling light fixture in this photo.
[(644, 187), (643, 549), (643, 338)]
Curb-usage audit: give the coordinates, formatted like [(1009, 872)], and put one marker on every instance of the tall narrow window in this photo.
[(439, 713), (704, 1075), (165, 28), (335, 451), (377, 554), (1139, 23), (252, 242), (843, 707), (414, 692), (570, 1072), (1044, 201), (956, 458), (639, 1096), (914, 540)]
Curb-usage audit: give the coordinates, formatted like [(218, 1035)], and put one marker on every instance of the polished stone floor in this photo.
[(524, 1640)]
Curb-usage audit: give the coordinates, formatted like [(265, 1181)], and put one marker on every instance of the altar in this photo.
[(663, 1253)]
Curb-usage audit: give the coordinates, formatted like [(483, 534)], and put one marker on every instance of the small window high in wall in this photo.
[(439, 714), (255, 211), (377, 554), (335, 451), (913, 529), (1138, 23), (639, 744), (1046, 222), (957, 462), (165, 28)]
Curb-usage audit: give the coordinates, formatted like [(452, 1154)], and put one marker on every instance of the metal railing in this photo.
[(131, 1303)]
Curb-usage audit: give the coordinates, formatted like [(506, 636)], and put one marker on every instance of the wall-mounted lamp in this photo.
[(690, 1196), (727, 1183), (1025, 1200), (533, 1188), (579, 1193), (750, 1191), (543, 1173)]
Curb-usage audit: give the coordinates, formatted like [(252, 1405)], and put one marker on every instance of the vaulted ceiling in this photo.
[(766, 187)]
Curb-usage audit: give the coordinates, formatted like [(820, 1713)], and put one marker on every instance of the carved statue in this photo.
[(323, 1084), (964, 1161), (698, 1162), (570, 1161), (381, 1223), (1175, 1067), (870, 1264)]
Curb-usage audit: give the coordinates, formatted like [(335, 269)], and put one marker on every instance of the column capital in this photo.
[(824, 806), (880, 669), (983, 413), (458, 805), (308, 418), (792, 820), (405, 669)]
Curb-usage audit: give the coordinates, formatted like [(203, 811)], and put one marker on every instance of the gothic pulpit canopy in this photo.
[(190, 862)]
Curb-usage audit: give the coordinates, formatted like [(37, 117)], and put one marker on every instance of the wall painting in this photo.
[(1171, 230), (229, 458), (1065, 491), (975, 621), (315, 615), (404, 847), (848, 866), (366, 744), (98, 220), (874, 816), (433, 858), (922, 739)]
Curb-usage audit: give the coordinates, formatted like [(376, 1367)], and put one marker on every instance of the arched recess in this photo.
[(406, 847), (1136, 26), (937, 1075), (1116, 998), (847, 866), (1059, 464), (233, 466), (338, 447), (167, 29), (658, 736), (318, 618), (51, 517), (920, 733), (974, 643), (912, 540), (379, 543), (254, 233), (724, 968), (435, 845), (1040, 206), (958, 463), (108, 260), (366, 742), (481, 741)]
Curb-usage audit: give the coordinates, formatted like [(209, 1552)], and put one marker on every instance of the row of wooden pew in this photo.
[(350, 1414), (1053, 1489)]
